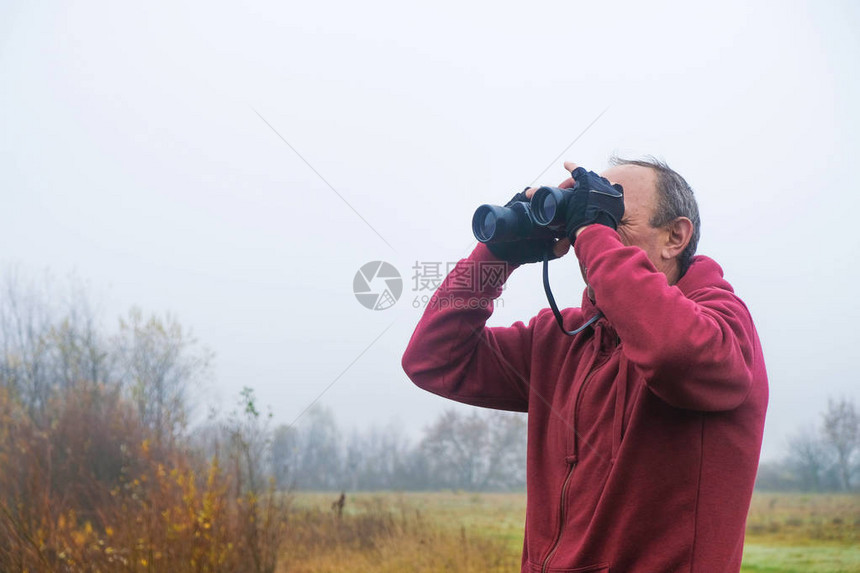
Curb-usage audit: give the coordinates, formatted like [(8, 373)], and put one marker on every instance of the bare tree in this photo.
[(49, 338), (25, 321), (320, 451), (842, 433), (809, 458), (250, 440), (456, 447), (508, 438), (309, 455), (80, 350), (160, 362), (478, 451), (285, 455), (377, 459)]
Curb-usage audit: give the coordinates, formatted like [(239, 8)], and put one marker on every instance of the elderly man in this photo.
[(644, 429)]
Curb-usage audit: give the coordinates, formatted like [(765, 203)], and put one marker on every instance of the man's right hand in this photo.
[(525, 250), (562, 246), (531, 250)]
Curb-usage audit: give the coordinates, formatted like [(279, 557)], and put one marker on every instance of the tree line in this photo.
[(820, 458), (484, 450)]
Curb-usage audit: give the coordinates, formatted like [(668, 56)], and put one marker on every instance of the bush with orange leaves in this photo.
[(93, 491)]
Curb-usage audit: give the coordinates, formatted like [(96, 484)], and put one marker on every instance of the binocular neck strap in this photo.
[(554, 306)]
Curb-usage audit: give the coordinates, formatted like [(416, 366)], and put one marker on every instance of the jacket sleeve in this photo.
[(453, 354), (697, 351)]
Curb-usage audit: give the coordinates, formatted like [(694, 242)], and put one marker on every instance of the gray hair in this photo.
[(675, 199)]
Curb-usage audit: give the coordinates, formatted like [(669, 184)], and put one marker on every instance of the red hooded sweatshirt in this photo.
[(644, 430)]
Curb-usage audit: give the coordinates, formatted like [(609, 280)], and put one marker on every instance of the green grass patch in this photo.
[(803, 559)]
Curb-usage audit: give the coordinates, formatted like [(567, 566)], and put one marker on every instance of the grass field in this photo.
[(802, 533), (450, 531)]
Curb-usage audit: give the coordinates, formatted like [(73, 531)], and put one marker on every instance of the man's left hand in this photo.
[(596, 201)]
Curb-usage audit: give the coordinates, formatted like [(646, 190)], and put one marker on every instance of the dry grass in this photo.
[(797, 519), (447, 531), (395, 532)]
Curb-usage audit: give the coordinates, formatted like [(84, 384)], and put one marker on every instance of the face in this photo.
[(640, 202)]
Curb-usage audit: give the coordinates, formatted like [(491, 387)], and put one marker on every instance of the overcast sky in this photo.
[(135, 152)]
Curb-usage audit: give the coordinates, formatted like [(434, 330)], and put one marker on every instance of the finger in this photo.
[(567, 183), (561, 247), (530, 191), (570, 166)]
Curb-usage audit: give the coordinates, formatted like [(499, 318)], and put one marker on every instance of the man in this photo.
[(644, 430)]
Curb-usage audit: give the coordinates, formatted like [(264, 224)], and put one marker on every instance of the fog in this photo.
[(236, 164)]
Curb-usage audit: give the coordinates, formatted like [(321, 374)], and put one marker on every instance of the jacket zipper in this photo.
[(561, 511), (555, 543), (594, 368)]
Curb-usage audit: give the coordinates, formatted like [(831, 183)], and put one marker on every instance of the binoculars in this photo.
[(543, 217)]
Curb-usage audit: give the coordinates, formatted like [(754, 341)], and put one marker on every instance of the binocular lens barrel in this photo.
[(546, 204), (489, 223), (542, 217)]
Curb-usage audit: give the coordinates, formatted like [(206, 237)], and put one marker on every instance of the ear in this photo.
[(678, 235)]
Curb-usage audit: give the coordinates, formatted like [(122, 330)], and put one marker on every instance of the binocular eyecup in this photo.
[(543, 217)]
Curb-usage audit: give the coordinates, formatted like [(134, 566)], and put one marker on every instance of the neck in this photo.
[(672, 271)]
